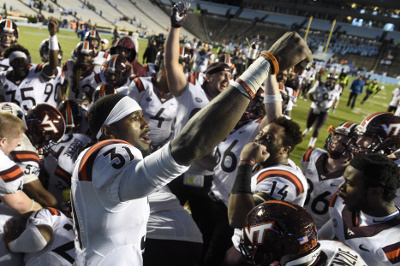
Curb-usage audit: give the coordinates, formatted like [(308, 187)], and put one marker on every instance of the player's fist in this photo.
[(52, 26), (179, 14), (291, 50)]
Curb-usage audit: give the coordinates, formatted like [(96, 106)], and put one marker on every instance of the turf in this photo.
[(31, 37)]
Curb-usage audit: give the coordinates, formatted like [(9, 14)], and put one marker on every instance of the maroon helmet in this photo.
[(341, 140), (72, 114), (103, 90), (7, 26), (44, 51), (93, 35), (378, 133), (118, 71), (276, 229), (45, 123), (83, 49)]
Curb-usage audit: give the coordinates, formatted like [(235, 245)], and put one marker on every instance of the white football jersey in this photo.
[(395, 97), (336, 253), (12, 177), (60, 250), (159, 112), (281, 182), (228, 156), (324, 97), (189, 103), (292, 96), (8, 258), (27, 158), (87, 83), (376, 239), (33, 89), (169, 220), (60, 162), (5, 64), (201, 61), (100, 61), (322, 184)]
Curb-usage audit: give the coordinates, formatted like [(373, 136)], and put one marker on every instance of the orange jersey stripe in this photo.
[(285, 174), (307, 155), (53, 211), (139, 84), (192, 79), (64, 175), (97, 78), (86, 165), (11, 174), (392, 252), (38, 68), (333, 199), (25, 156)]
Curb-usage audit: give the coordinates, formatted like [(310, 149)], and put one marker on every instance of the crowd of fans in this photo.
[(185, 160)]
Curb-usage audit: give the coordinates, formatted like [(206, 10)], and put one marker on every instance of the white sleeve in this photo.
[(313, 89), (326, 231), (154, 171)]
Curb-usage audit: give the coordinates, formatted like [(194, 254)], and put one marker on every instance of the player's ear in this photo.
[(107, 132), (286, 149)]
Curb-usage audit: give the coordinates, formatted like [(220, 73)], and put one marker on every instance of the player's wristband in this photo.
[(272, 98), (250, 81), (273, 60), (53, 43), (248, 161), (242, 183)]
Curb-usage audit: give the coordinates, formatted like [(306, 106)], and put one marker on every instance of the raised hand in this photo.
[(52, 26), (291, 50), (179, 14)]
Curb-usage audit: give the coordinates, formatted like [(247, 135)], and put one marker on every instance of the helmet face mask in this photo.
[(44, 50), (8, 32), (118, 71), (84, 53), (341, 140), (45, 123), (276, 230), (72, 115), (94, 38), (378, 133)]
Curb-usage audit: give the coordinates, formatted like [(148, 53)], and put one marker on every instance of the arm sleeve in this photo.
[(31, 240), (155, 171)]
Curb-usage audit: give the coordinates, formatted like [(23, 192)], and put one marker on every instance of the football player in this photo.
[(158, 104), (323, 95), (203, 58), (60, 158), (365, 216), (26, 157), (281, 233), (28, 85), (11, 132), (100, 57), (126, 47), (324, 169), (80, 76), (111, 180), (8, 36), (47, 239)]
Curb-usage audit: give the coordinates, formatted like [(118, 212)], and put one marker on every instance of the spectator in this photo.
[(356, 87), (150, 53)]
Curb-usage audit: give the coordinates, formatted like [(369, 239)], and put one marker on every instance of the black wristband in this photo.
[(242, 183)]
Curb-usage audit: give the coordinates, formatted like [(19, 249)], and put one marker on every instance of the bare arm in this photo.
[(36, 191), (273, 109), (241, 200), (50, 69), (20, 202), (176, 78)]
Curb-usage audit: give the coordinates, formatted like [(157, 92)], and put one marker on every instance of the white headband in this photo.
[(124, 107), (17, 54)]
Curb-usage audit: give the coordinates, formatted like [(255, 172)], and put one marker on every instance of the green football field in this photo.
[(31, 37)]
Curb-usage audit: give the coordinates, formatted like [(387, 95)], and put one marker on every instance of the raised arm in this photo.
[(50, 69), (217, 119), (272, 101), (176, 78)]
